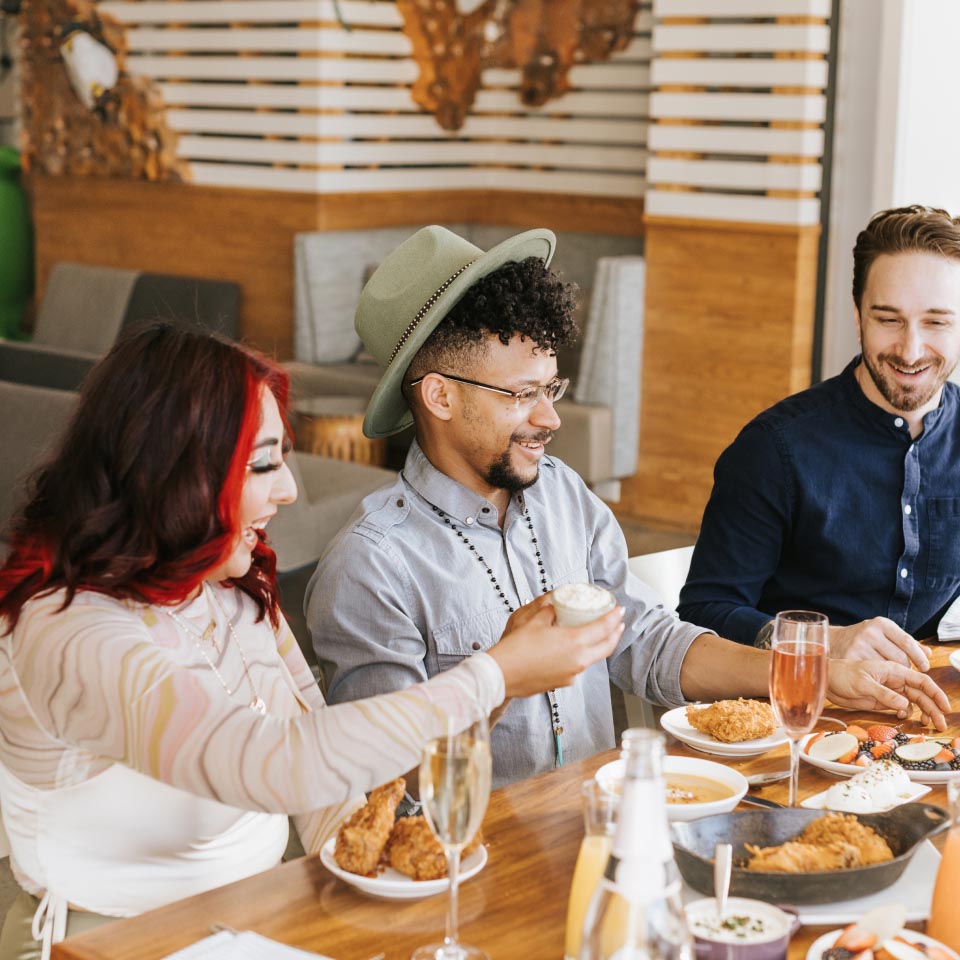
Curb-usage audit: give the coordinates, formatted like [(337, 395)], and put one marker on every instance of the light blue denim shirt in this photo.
[(398, 597)]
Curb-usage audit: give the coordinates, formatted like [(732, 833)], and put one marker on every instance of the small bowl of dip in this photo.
[(578, 603), (749, 930)]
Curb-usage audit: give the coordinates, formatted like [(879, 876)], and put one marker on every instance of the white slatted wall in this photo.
[(275, 94), (737, 109)]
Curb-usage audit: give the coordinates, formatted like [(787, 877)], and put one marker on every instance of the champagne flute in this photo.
[(454, 789), (798, 678)]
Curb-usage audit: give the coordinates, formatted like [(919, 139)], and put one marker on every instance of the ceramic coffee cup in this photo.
[(750, 930)]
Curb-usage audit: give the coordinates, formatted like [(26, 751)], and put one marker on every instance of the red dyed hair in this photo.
[(142, 499)]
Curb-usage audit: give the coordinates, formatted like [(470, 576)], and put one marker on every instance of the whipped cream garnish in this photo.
[(582, 596)]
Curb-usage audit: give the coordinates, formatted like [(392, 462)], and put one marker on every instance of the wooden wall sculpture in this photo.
[(542, 38), (128, 138)]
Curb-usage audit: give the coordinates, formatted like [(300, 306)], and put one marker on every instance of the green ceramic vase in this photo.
[(16, 245)]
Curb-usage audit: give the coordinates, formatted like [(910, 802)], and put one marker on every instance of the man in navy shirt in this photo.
[(845, 498)]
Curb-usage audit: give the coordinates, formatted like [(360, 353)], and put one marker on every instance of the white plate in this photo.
[(954, 659), (675, 722), (610, 777), (817, 801), (391, 885), (823, 943), (914, 889), (849, 769)]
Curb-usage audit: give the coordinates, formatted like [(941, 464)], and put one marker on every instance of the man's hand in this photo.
[(882, 685), (875, 639)]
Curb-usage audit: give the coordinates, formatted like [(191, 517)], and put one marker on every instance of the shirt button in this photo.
[(475, 644), (898, 422), (908, 509), (903, 573), (468, 521), (399, 503)]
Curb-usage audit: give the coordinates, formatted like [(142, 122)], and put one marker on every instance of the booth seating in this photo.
[(599, 437)]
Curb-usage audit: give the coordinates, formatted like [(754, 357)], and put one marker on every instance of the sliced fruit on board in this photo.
[(833, 746), (918, 750)]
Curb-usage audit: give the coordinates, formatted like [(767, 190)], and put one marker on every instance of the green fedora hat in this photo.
[(411, 292)]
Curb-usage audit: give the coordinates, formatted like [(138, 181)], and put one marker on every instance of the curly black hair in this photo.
[(524, 297)]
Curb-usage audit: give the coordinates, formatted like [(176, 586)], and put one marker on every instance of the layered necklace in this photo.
[(209, 636), (551, 695)]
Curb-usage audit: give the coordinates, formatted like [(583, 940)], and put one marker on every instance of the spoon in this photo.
[(722, 863)]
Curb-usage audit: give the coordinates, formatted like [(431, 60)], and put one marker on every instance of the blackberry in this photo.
[(955, 764), (867, 745), (837, 953), (918, 764), (902, 737)]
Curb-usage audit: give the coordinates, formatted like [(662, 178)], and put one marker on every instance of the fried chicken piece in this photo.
[(731, 721), (361, 838), (798, 857), (846, 828), (414, 850)]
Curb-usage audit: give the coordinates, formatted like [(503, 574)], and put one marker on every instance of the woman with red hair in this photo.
[(158, 722)]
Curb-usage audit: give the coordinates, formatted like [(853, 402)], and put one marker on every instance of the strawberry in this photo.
[(879, 732), (858, 732), (881, 750), (855, 939)]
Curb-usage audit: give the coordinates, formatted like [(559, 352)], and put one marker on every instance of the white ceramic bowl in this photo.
[(610, 776)]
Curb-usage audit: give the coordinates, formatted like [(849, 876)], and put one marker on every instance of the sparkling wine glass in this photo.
[(798, 678), (454, 789)]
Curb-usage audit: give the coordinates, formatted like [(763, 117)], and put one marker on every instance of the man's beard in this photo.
[(501, 474), (904, 398)]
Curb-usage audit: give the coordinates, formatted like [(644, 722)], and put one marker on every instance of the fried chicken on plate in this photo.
[(732, 721), (414, 850), (361, 838)]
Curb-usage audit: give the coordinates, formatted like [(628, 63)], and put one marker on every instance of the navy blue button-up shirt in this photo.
[(824, 502)]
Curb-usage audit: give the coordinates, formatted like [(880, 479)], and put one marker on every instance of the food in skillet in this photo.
[(834, 842), (733, 721)]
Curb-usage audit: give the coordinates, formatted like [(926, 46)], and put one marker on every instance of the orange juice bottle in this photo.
[(599, 820), (944, 922)]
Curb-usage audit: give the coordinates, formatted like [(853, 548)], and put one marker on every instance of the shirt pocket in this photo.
[(943, 563), (453, 642)]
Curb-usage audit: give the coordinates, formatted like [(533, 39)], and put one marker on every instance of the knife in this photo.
[(761, 802)]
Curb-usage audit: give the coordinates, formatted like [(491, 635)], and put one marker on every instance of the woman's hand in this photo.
[(535, 655), (882, 685)]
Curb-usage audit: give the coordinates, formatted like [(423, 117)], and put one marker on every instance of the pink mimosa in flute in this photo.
[(798, 678)]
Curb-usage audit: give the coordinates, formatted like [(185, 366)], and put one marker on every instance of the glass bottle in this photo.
[(944, 922), (599, 822), (636, 912)]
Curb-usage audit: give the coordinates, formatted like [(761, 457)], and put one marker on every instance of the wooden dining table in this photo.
[(514, 908)]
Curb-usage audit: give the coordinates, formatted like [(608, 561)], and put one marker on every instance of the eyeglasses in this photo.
[(525, 399)]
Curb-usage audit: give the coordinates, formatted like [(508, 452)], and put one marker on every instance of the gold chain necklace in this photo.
[(209, 635)]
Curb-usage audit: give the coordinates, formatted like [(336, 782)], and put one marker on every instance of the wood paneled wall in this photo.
[(728, 332), (247, 235)]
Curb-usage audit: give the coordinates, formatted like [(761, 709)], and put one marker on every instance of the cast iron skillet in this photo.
[(903, 827)]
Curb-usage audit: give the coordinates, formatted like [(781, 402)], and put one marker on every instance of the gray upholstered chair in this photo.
[(84, 308)]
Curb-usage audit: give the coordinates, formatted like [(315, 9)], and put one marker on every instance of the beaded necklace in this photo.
[(551, 695), (209, 636)]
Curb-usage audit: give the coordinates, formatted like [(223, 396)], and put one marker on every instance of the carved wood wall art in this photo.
[(127, 137), (542, 38)]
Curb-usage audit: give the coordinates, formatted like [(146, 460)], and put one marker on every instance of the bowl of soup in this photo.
[(695, 787)]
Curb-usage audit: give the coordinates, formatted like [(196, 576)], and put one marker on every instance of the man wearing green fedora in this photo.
[(482, 523)]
